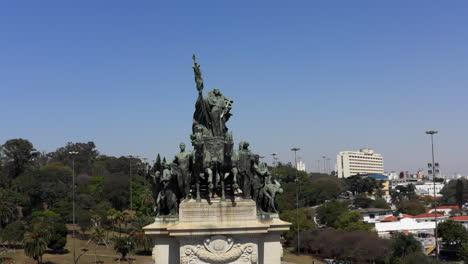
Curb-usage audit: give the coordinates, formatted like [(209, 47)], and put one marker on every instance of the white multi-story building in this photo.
[(364, 161), (301, 166), (427, 188)]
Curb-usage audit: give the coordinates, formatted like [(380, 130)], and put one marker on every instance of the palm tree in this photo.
[(146, 197), (34, 245), (123, 246), (8, 212), (98, 237), (137, 234), (115, 217)]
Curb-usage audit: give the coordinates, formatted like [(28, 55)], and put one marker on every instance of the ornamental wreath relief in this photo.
[(219, 249)]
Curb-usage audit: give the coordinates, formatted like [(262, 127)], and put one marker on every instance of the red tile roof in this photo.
[(428, 215), (448, 207), (407, 216), (460, 218), (389, 219)]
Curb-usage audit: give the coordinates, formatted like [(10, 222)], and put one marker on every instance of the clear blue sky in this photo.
[(322, 75)]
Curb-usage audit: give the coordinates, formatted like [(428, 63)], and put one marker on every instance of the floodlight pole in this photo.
[(432, 132), (295, 149), (73, 154)]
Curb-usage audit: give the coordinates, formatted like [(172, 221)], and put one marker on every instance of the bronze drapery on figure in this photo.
[(213, 111)]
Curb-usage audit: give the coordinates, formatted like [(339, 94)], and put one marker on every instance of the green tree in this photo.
[(18, 154), (123, 246), (13, 232), (84, 220), (35, 245), (413, 207), (8, 212), (453, 234), (459, 193), (379, 203), (304, 221), (87, 154), (464, 253), (52, 227), (352, 221), (404, 245), (46, 186), (403, 193), (98, 237), (361, 184), (158, 164), (138, 236), (449, 192), (329, 212), (362, 201)]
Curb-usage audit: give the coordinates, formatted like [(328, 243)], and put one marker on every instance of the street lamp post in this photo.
[(131, 187), (73, 154), (432, 132), (274, 158), (295, 149), (324, 165)]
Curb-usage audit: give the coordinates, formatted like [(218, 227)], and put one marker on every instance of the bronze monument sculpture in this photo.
[(215, 204), (213, 169)]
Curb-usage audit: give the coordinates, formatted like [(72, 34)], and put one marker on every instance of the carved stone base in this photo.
[(220, 232)]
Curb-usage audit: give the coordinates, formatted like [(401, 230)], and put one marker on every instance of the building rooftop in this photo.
[(448, 207), (459, 218), (373, 210), (377, 176), (389, 219), (428, 215), (407, 216)]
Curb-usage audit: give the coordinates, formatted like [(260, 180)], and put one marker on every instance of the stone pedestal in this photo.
[(220, 232)]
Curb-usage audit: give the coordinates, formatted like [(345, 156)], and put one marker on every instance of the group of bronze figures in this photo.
[(213, 168)]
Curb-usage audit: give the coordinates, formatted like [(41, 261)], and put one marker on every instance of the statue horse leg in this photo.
[(197, 186), (222, 176)]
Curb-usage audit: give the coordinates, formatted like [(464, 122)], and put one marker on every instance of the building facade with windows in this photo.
[(364, 161)]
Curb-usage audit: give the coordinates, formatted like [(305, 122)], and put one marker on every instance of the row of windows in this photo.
[(366, 157), (365, 161), (365, 166)]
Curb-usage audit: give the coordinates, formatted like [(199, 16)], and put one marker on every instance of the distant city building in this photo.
[(427, 188), (301, 166), (391, 175), (385, 184), (364, 161)]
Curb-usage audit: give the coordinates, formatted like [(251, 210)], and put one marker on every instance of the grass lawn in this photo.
[(292, 257), (107, 255)]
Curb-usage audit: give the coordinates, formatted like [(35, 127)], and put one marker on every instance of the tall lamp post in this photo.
[(73, 154), (130, 157), (274, 158), (324, 165), (432, 132), (295, 149)]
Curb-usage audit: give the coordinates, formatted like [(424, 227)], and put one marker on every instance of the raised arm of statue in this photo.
[(198, 74)]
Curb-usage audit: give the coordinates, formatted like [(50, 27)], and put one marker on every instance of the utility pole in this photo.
[(324, 165), (295, 149), (130, 180), (274, 158), (432, 132), (73, 154)]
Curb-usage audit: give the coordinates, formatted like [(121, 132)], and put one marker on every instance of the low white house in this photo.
[(406, 225), (445, 209), (461, 219), (373, 215), (430, 217)]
